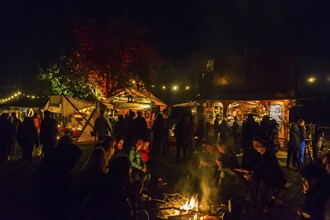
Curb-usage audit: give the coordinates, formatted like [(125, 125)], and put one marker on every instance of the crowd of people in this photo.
[(125, 162)]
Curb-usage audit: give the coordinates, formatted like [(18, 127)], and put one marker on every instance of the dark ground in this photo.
[(16, 181)]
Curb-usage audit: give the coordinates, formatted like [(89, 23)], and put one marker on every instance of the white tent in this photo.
[(67, 106)]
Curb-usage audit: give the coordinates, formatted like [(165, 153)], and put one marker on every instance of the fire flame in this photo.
[(192, 204)]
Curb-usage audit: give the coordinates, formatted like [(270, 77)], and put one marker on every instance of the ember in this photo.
[(176, 206)]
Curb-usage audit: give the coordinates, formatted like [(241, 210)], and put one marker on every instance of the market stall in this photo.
[(74, 116), (275, 109), (133, 99)]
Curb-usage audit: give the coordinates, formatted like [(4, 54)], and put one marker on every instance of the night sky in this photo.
[(39, 31)]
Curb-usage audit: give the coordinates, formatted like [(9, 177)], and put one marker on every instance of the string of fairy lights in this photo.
[(17, 95)]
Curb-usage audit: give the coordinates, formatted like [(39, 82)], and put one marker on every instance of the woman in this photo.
[(27, 137), (119, 147), (266, 178)]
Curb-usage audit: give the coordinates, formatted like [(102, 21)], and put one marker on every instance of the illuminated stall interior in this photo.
[(275, 109)]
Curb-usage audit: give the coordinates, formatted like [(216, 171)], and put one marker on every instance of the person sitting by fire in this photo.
[(139, 168), (226, 177), (266, 178)]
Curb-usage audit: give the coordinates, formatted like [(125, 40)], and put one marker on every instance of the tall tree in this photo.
[(106, 58), (117, 53)]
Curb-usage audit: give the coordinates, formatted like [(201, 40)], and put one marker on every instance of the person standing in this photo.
[(27, 137), (48, 133), (293, 146), (37, 121), (5, 126), (224, 129), (102, 126), (250, 130), (274, 142), (181, 133), (302, 133), (119, 127), (159, 132), (140, 126), (236, 134), (216, 124), (15, 124)]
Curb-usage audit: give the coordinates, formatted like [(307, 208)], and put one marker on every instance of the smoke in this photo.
[(197, 180)]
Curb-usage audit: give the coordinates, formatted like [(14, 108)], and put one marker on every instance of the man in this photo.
[(48, 133), (102, 126)]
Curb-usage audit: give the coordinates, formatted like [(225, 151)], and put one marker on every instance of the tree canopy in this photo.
[(105, 59)]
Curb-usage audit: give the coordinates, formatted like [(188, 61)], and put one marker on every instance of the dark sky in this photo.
[(37, 31)]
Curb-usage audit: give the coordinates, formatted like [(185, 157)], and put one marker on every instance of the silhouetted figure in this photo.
[(119, 127), (273, 140), (5, 137), (140, 126), (102, 126), (293, 146), (200, 132), (48, 133), (27, 137), (236, 132), (15, 123), (216, 124), (224, 130), (316, 182), (265, 129), (158, 141), (129, 122), (52, 186), (266, 179), (181, 133), (94, 169), (110, 196), (250, 130)]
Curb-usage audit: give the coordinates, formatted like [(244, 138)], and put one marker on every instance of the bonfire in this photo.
[(176, 206)]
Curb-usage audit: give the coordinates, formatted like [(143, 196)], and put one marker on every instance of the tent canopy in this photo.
[(133, 98), (66, 105)]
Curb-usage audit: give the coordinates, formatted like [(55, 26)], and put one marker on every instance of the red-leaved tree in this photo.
[(114, 55)]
